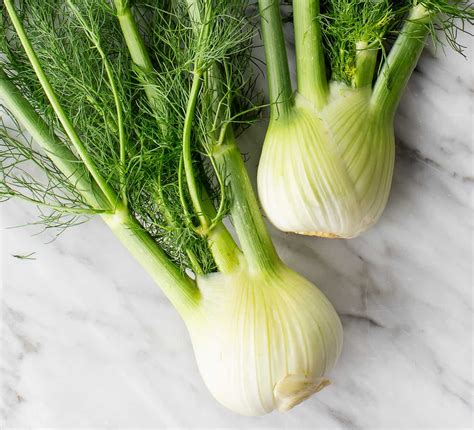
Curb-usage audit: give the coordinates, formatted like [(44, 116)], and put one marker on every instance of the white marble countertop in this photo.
[(88, 340)]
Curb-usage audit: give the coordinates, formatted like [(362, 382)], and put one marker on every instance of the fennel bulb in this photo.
[(263, 341), (327, 173), (120, 134), (328, 157)]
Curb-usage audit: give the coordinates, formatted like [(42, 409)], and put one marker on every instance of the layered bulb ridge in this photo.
[(327, 173), (264, 341)]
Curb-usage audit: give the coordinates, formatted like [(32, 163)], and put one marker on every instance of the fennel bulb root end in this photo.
[(294, 389)]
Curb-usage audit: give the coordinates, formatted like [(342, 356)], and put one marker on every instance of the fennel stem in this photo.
[(136, 47), (366, 60), (181, 290), (197, 80), (248, 222), (310, 65), (187, 153), (222, 245), (400, 63), (278, 73), (141, 59)]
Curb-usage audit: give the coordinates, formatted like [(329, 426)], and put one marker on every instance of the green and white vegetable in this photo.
[(131, 115), (327, 162)]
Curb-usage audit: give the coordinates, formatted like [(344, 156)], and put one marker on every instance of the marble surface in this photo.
[(87, 339)]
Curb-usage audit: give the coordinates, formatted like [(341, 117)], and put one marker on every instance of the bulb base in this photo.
[(294, 389)]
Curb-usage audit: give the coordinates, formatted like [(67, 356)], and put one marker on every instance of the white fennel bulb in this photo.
[(264, 341), (327, 162), (328, 172)]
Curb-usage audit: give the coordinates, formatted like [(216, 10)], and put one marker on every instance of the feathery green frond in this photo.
[(345, 23), (136, 144), (28, 174)]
